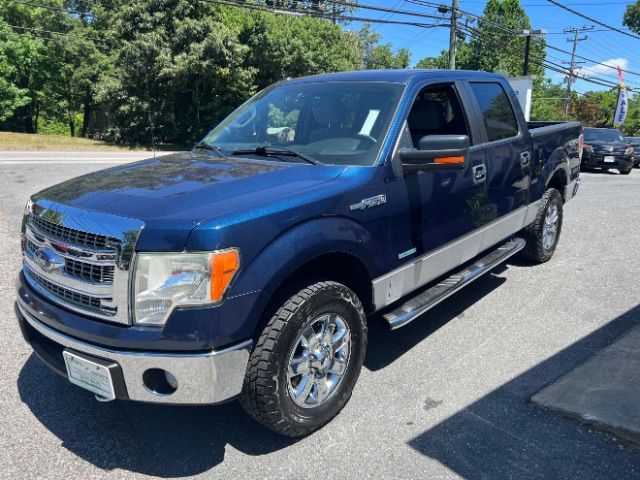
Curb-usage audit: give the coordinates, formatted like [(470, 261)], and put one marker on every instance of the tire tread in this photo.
[(533, 249), (257, 396)]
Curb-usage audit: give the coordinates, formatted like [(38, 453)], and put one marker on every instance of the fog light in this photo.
[(159, 381)]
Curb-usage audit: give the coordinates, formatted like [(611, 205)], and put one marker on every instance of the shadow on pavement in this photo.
[(386, 346), (503, 435), (166, 441)]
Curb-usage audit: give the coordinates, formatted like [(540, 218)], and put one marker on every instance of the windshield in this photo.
[(602, 135), (332, 122), (632, 140)]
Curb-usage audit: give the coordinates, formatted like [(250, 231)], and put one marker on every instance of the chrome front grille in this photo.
[(66, 234), (88, 271), (76, 298), (77, 268), (80, 259)]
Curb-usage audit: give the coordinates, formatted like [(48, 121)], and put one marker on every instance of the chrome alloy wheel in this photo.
[(550, 227), (319, 360)]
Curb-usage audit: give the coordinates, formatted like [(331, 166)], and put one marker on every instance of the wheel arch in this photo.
[(338, 266), (328, 248), (558, 180)]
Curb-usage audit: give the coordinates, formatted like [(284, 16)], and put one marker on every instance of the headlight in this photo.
[(164, 281), (628, 150), (588, 148)]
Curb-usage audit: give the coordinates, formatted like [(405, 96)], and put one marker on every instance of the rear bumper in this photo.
[(202, 378), (597, 161)]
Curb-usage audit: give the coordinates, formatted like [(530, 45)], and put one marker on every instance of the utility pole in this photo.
[(572, 64), (527, 51), (527, 34), (453, 39)]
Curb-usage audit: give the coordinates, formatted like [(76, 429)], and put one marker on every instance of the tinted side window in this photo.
[(436, 111), (499, 119)]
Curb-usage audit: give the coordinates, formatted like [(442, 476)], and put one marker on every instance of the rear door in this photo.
[(507, 146)]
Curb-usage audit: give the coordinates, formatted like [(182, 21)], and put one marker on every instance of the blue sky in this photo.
[(604, 46)]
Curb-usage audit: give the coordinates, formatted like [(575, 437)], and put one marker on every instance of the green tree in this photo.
[(327, 9), (12, 96), (177, 71), (491, 47), (380, 56), (547, 102), (595, 109), (286, 46), (631, 17)]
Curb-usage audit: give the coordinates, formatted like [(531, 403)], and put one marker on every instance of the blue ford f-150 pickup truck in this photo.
[(249, 267)]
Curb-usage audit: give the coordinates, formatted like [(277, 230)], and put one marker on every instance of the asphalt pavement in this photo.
[(448, 396)]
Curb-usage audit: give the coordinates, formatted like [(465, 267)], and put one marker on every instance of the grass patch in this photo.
[(29, 141)]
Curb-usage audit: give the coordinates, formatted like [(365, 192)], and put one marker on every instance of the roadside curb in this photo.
[(602, 392)]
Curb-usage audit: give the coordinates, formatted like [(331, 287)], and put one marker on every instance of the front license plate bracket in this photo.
[(93, 374)]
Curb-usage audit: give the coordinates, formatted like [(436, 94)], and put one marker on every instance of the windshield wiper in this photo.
[(264, 151), (212, 148)]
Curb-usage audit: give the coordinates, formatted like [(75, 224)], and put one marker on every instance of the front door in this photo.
[(443, 205)]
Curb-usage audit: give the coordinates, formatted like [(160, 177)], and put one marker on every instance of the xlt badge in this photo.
[(369, 202)]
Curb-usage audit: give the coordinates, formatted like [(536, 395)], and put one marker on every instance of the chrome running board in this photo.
[(419, 304)]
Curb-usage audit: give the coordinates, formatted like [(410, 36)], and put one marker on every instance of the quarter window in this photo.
[(499, 119)]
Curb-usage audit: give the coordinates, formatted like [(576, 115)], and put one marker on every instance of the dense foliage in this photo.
[(160, 70), (166, 71)]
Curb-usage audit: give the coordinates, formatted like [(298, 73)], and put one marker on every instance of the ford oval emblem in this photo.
[(48, 260)]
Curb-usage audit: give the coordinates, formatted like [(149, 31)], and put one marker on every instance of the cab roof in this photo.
[(398, 76)]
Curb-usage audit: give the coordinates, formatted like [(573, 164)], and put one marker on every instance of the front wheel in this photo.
[(626, 171), (543, 234), (307, 360)]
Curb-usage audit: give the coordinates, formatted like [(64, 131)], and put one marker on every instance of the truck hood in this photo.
[(174, 193)]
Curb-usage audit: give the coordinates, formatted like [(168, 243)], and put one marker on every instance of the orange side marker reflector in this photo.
[(224, 266), (449, 160)]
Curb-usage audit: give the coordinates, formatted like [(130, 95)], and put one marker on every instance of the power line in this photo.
[(546, 64), (615, 29), (597, 30), (308, 13), (387, 10), (387, 15), (623, 2), (575, 4), (572, 66), (513, 32), (595, 62)]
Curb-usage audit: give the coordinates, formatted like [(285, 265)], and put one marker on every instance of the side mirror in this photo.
[(437, 152)]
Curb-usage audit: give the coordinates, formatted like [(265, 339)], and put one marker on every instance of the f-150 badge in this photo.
[(369, 202)]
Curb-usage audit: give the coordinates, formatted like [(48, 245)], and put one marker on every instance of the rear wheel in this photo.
[(543, 234), (307, 360)]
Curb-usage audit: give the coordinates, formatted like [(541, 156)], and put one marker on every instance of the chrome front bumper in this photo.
[(203, 378)]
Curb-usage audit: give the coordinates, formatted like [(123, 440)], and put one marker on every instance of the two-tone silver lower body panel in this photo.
[(396, 284)]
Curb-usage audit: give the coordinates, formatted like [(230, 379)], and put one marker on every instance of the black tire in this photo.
[(265, 395), (535, 249), (626, 172)]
